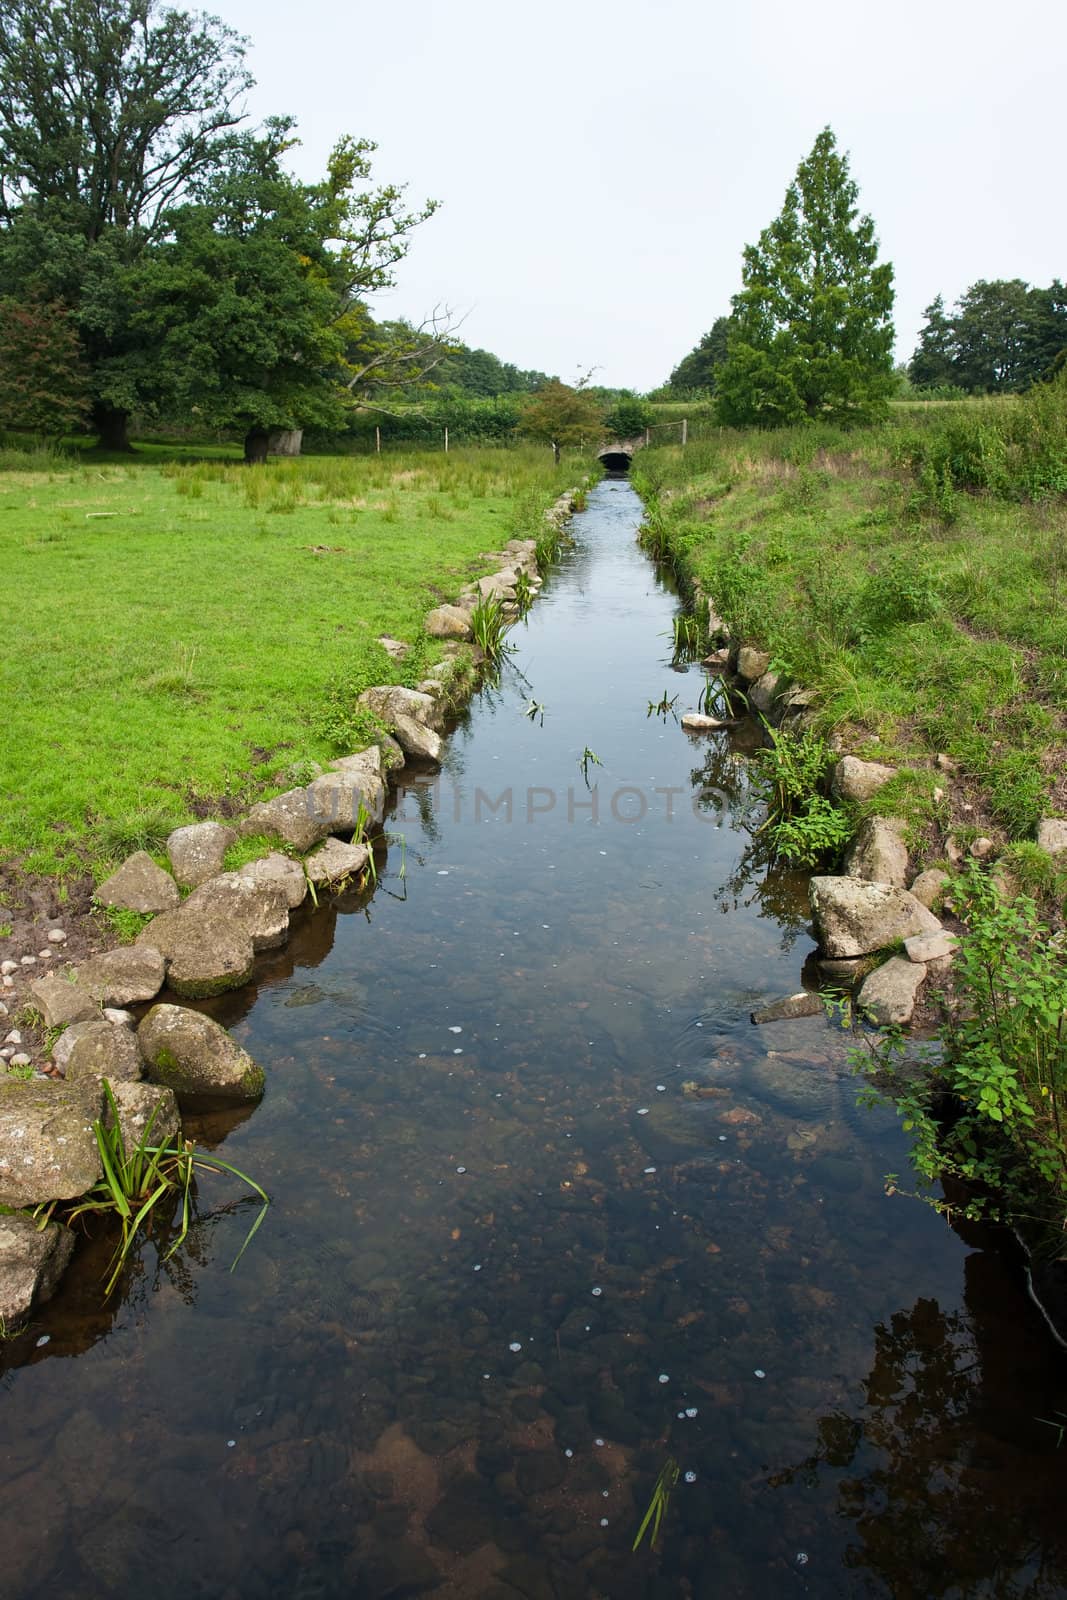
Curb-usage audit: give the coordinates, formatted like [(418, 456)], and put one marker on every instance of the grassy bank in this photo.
[(914, 576), (180, 630)]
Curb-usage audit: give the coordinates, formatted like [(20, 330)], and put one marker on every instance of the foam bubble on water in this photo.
[(568, 1453), (461, 1170), (650, 1169), (603, 1520), (596, 1290), (477, 1266), (661, 1088), (664, 1377), (758, 1372), (599, 1443), (690, 1412), (515, 1346), (642, 1111), (690, 1476), (454, 1029)]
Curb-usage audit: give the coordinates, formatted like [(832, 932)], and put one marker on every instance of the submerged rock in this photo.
[(139, 885), (798, 1089), (192, 1055), (48, 1150), (854, 918), (32, 1261), (803, 1004)]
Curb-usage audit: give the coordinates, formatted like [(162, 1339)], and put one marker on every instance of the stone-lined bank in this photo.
[(207, 927)]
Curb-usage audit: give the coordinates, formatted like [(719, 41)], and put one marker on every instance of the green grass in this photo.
[(178, 630), (925, 617)]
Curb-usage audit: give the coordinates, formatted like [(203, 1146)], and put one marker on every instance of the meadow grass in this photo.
[(927, 618), (178, 630)]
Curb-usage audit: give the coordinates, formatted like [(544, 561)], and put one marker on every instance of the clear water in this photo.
[(548, 1211)]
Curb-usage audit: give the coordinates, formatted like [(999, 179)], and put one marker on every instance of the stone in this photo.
[(717, 661), (192, 1055), (198, 852), (982, 848), (124, 976), (138, 1104), (292, 817), (62, 1002), (859, 780), (798, 1089), (8, 967), (392, 700), (752, 663), (282, 871), (931, 946), (139, 885), (697, 722), (854, 918), (121, 1018), (929, 887), (48, 1150), (32, 1261), (392, 755), (259, 909), (953, 853), (417, 740), (803, 1004), (56, 936), (205, 955), (396, 649), (889, 995), (945, 763), (498, 585), (333, 861), (362, 761), (69, 1037), (339, 796), (104, 1052), (448, 622), (878, 854), (844, 973), (1052, 835), (764, 692), (20, 1059)]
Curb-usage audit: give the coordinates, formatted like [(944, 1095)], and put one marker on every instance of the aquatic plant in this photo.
[(137, 1179), (657, 1506), (802, 827), (587, 759), (663, 706), (524, 592), (489, 627), (688, 635), (534, 709)]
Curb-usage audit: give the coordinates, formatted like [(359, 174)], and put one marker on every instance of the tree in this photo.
[(697, 370), (812, 331), (933, 363), (1002, 337), (44, 384), (560, 415), (253, 308), (110, 111), (629, 416)]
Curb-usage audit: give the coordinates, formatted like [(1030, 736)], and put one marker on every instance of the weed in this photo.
[(489, 627), (6, 930), (253, 847), (23, 1074), (535, 711), (659, 1503), (587, 759), (125, 925), (688, 636), (663, 707), (524, 592), (801, 825), (145, 829)]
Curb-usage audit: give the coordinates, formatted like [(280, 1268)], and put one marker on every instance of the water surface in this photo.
[(548, 1212)]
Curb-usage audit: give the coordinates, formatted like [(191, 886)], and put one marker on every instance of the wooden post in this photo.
[(685, 430), (446, 441), (377, 441), (648, 437)]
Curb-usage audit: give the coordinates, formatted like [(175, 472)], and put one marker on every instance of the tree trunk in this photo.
[(111, 427), (256, 442)]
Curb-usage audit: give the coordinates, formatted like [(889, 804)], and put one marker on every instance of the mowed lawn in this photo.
[(179, 631)]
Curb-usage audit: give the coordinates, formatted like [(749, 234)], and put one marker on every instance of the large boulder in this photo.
[(259, 909), (124, 976), (930, 886), (415, 739), (292, 817), (198, 852), (334, 861), (64, 1045), (859, 780), (48, 1150), (889, 995), (141, 1104), (192, 1055), (854, 918), (498, 585), (752, 663), (878, 853), (764, 693), (448, 622), (288, 875), (339, 795), (139, 885), (391, 700), (32, 1261), (109, 1052), (205, 955), (61, 1001)]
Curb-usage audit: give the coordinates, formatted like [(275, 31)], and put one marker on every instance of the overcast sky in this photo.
[(601, 167)]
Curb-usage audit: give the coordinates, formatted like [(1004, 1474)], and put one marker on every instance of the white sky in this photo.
[(601, 167)]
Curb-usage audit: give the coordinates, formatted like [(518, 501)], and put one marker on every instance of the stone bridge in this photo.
[(617, 454)]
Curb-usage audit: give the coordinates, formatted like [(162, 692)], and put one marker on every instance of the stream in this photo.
[(549, 1214)]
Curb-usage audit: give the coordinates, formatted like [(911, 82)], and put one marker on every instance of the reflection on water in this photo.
[(547, 1211)]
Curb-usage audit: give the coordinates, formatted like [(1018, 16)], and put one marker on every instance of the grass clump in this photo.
[(802, 827)]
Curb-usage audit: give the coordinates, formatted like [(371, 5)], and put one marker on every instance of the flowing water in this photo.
[(549, 1212)]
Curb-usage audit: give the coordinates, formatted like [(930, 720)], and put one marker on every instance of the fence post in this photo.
[(685, 430), (377, 441), (446, 441), (648, 437)]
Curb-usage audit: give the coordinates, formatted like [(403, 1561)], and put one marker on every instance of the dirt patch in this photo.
[(33, 906)]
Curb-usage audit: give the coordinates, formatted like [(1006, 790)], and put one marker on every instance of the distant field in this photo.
[(177, 630)]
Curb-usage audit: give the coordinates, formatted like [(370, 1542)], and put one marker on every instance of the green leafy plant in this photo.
[(535, 711), (660, 1501), (801, 825), (524, 592), (489, 627), (136, 1180), (663, 706), (587, 759), (688, 636)]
